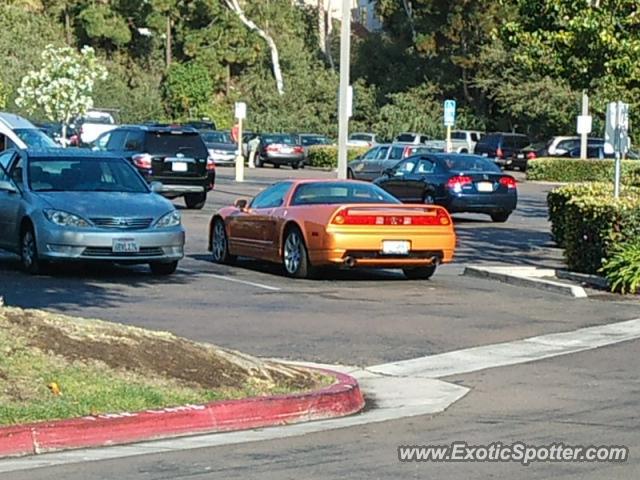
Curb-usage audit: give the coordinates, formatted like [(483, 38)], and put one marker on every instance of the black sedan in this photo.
[(460, 183)]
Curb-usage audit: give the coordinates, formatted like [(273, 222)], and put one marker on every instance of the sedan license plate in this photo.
[(286, 150), (484, 186), (125, 245), (179, 166), (395, 247)]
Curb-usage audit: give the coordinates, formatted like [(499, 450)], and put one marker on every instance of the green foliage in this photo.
[(101, 23), (187, 89), (326, 156), (576, 170), (622, 269)]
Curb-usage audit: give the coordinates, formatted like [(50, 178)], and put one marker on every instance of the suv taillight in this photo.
[(142, 160)]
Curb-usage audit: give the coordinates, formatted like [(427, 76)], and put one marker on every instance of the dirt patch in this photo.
[(159, 353)]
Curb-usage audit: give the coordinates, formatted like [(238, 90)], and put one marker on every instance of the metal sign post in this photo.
[(240, 114), (343, 108), (616, 138), (449, 120), (585, 124)]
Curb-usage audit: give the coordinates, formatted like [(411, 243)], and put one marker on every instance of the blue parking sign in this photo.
[(449, 113)]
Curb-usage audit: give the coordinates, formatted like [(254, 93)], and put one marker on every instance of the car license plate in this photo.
[(286, 150), (521, 155), (395, 247), (484, 186), (125, 245), (179, 166)]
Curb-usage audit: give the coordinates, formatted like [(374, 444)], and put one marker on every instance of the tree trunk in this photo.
[(234, 5), (168, 46), (67, 25), (408, 9), (322, 28)]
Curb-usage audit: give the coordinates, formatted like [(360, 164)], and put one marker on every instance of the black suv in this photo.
[(506, 149), (174, 156)]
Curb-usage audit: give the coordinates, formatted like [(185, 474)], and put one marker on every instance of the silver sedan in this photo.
[(60, 205)]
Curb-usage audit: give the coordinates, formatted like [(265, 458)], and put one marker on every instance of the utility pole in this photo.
[(584, 133), (343, 108)]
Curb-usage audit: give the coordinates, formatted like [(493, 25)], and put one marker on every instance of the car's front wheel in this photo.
[(419, 273), (220, 244), (295, 257), (161, 269), (29, 257), (195, 201)]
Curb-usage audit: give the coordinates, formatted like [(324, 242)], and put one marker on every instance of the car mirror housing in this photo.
[(389, 172), (7, 187), (240, 204)]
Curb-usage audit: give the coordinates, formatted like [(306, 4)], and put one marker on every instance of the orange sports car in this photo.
[(305, 224)]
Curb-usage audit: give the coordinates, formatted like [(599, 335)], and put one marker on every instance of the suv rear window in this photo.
[(172, 143), (406, 137), (490, 140)]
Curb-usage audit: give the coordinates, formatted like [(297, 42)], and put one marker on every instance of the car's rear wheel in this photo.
[(161, 269), (428, 199), (295, 165), (258, 162), (195, 201), (29, 258), (276, 165), (500, 217), (295, 257), (419, 273), (220, 244), (350, 174)]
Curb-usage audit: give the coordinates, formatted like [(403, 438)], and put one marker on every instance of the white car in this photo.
[(94, 124), (18, 132), (464, 141), (362, 140)]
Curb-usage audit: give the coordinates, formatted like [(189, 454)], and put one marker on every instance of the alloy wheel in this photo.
[(292, 253)]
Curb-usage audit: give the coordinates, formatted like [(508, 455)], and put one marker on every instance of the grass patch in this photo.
[(100, 367)]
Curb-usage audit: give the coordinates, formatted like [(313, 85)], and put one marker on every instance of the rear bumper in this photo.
[(482, 203), (283, 158), (359, 247), (172, 186)]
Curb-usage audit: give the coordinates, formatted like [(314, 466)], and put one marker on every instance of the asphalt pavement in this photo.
[(367, 318)]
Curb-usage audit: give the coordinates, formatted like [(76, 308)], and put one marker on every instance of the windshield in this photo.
[(340, 192), (84, 175), (316, 140), (216, 137), (470, 164), (361, 136), (175, 142), (280, 139), (35, 138), (406, 137)]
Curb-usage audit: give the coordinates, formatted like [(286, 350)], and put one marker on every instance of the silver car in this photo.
[(63, 204)]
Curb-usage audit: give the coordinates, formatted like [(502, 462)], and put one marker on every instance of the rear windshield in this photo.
[(35, 138), (279, 139), (188, 144), (406, 137), (315, 140), (340, 192), (470, 164), (458, 135), (490, 140), (361, 136), (216, 137)]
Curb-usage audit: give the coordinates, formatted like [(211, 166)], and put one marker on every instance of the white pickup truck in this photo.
[(94, 124), (464, 141)]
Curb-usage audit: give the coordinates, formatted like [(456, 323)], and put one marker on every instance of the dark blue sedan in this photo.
[(460, 183)]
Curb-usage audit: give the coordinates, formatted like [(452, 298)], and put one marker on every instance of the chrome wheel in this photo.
[(292, 253), (29, 250), (219, 246)]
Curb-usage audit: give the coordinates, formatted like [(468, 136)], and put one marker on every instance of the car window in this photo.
[(406, 137), (5, 159), (521, 142), (382, 153), (116, 140), (101, 141), (425, 166), (34, 138), (371, 154), (279, 139), (461, 164), (490, 140), (475, 137), (318, 193), (16, 172), (134, 141), (396, 153), (404, 167), (173, 142), (4, 177), (272, 197)]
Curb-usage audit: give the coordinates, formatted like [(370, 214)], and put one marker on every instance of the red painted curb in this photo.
[(342, 398)]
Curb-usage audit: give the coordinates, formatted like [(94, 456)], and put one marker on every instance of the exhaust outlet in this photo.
[(350, 262)]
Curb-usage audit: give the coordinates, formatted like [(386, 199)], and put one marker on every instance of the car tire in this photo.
[(29, 257), (258, 162), (350, 174), (162, 269), (295, 257), (276, 165), (220, 244), (500, 217), (428, 199), (195, 201), (419, 273)]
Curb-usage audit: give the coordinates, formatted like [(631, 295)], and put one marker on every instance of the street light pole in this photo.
[(343, 109)]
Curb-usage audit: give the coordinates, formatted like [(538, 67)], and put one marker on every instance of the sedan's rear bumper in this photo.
[(283, 158), (482, 203), (91, 245)]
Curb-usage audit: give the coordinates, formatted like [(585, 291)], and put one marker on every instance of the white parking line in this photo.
[(231, 279)]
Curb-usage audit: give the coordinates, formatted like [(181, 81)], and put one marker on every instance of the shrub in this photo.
[(575, 170), (623, 268), (326, 156)]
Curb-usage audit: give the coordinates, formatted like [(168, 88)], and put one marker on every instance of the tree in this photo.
[(188, 89), (62, 88)]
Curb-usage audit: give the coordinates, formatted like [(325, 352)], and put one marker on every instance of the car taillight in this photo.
[(298, 149), (346, 217), (211, 164), (142, 160), (531, 155), (408, 151), (456, 183), (273, 148), (499, 153), (508, 182)]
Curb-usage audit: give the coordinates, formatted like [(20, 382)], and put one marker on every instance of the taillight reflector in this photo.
[(142, 160), (508, 182)]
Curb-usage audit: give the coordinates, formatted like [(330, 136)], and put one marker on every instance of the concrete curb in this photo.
[(342, 398), (584, 278), (526, 277)]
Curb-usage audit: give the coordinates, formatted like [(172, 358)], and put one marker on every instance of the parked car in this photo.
[(202, 124), (359, 140), (94, 124), (221, 148), (77, 205), (175, 156), (509, 150), (594, 151), (460, 183), (280, 149), (559, 146), (464, 141), (370, 166), (306, 224), (18, 132), (410, 137)]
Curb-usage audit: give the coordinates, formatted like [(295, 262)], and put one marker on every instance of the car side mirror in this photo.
[(157, 187), (7, 187), (389, 172), (240, 204)]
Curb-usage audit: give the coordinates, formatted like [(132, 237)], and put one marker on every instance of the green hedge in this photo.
[(589, 223), (576, 170), (326, 156)]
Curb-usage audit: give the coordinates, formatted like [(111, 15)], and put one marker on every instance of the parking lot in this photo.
[(365, 318)]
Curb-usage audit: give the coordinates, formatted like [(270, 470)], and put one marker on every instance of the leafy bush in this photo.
[(623, 268), (326, 156), (576, 170)]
